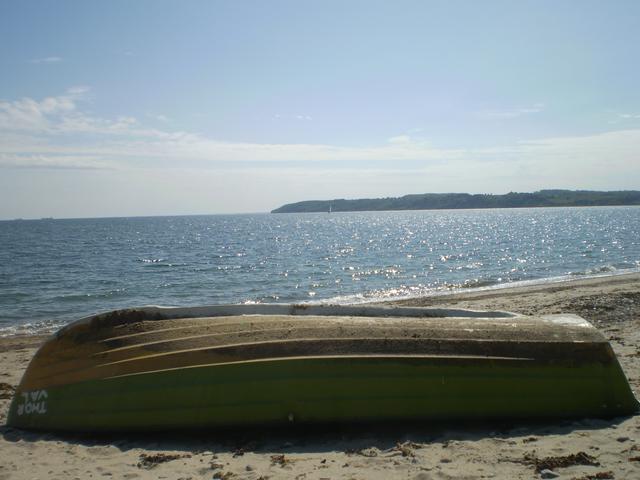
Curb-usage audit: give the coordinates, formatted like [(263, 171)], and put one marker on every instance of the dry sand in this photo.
[(418, 451)]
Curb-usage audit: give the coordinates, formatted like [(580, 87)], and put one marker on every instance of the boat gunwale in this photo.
[(157, 312)]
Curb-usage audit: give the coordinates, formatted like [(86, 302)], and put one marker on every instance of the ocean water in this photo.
[(55, 271)]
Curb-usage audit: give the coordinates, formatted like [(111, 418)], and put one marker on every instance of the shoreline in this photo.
[(522, 296), (417, 451), (433, 297), (539, 283)]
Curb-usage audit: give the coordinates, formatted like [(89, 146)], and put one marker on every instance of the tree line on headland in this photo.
[(439, 201)]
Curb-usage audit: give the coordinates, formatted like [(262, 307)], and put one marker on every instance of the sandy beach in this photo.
[(571, 449)]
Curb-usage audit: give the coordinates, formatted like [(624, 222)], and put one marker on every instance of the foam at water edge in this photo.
[(48, 327), (39, 328), (389, 296)]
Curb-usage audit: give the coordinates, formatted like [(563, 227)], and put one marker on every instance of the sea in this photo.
[(54, 271)]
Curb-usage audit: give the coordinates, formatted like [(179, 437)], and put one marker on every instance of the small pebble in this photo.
[(546, 473)]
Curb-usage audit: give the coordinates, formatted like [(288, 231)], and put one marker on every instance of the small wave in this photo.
[(390, 294), (162, 263), (475, 283), (595, 271), (387, 272), (608, 272), (159, 263), (468, 286), (74, 297), (83, 297), (36, 328), (14, 297)]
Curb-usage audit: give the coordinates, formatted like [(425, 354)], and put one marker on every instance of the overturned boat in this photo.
[(162, 368)]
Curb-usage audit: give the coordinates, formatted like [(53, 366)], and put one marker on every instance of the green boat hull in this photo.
[(581, 379), (329, 390)]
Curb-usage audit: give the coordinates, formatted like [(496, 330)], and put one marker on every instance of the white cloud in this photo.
[(78, 91), (511, 113), (32, 115), (51, 161), (53, 154), (400, 139), (46, 60), (56, 133), (56, 126), (280, 116), (629, 116)]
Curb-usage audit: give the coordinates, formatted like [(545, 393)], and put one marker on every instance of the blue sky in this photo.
[(150, 108)]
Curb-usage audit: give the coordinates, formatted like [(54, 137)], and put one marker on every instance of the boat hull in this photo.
[(167, 373)]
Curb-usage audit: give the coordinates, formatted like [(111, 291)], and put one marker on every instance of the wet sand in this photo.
[(572, 449)]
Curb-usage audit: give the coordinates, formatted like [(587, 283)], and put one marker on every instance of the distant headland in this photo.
[(440, 201)]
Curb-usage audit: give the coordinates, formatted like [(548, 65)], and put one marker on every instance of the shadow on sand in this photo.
[(348, 438)]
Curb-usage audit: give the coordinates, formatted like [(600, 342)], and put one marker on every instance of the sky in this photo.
[(125, 108)]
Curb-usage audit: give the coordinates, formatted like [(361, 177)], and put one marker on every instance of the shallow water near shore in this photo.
[(55, 271)]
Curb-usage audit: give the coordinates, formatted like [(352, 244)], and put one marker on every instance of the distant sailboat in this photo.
[(329, 208)]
